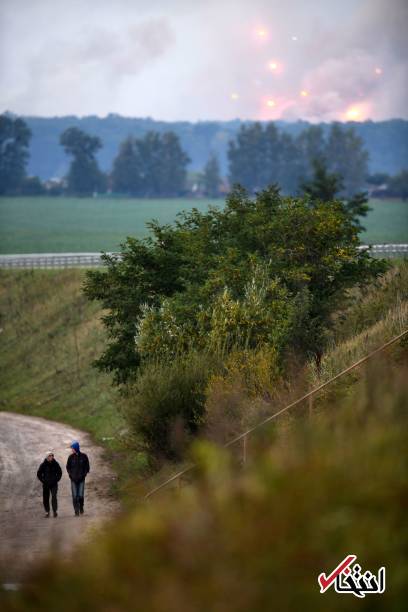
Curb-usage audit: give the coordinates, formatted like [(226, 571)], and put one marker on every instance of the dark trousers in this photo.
[(78, 491), (46, 497)]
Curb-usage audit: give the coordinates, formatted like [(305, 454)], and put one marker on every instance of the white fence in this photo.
[(384, 250), (92, 260), (51, 260)]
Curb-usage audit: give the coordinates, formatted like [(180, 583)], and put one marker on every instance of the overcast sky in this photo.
[(205, 59)]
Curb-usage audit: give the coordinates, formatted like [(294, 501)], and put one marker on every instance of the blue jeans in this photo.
[(78, 490)]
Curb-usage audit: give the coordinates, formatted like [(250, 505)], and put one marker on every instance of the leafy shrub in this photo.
[(166, 403), (240, 393)]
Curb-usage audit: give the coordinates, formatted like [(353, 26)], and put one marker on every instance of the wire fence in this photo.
[(308, 396), (93, 260)]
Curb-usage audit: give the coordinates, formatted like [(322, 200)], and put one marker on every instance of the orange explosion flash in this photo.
[(261, 33), (304, 93), (353, 113), (358, 112)]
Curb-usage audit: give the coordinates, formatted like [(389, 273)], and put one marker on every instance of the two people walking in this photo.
[(50, 473)]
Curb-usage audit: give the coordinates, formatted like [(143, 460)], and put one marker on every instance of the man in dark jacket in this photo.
[(77, 468), (49, 473)]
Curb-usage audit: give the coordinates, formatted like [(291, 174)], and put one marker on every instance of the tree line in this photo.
[(155, 165)]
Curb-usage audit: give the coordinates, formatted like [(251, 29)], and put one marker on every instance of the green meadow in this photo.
[(46, 225)]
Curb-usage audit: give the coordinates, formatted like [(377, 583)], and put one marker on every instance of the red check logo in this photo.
[(326, 582)]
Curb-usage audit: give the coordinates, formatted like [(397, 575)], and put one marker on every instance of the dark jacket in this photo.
[(77, 466), (49, 472)]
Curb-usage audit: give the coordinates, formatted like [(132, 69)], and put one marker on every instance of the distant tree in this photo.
[(398, 185), (171, 166), (14, 142), (378, 178), (211, 177), (127, 165), (263, 156), (84, 176), (290, 165), (323, 185), (345, 156), (326, 187), (32, 186), (271, 149), (154, 165), (247, 158), (311, 145)]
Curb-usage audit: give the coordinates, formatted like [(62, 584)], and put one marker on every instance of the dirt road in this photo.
[(25, 535)]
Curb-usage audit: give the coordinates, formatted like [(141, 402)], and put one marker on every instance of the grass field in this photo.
[(46, 225)]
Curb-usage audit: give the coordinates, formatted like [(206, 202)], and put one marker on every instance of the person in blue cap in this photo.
[(77, 468)]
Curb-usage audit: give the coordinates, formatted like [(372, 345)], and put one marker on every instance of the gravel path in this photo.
[(25, 535)]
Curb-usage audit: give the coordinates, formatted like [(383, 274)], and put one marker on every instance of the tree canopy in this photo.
[(326, 186), (84, 177), (152, 166), (211, 177), (262, 155), (14, 142), (268, 270)]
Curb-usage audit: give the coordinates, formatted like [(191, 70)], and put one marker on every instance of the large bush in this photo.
[(267, 269), (165, 405)]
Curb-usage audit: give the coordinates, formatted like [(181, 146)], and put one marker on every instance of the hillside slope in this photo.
[(49, 338)]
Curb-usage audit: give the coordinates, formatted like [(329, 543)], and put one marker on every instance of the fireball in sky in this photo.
[(275, 66), (261, 33), (271, 103), (353, 113), (357, 112), (304, 93)]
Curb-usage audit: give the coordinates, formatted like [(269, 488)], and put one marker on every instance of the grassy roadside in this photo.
[(50, 334)]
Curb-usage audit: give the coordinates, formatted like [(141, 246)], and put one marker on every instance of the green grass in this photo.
[(387, 222), (50, 335), (46, 225)]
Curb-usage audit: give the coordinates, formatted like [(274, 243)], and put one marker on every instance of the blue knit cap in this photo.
[(75, 446)]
